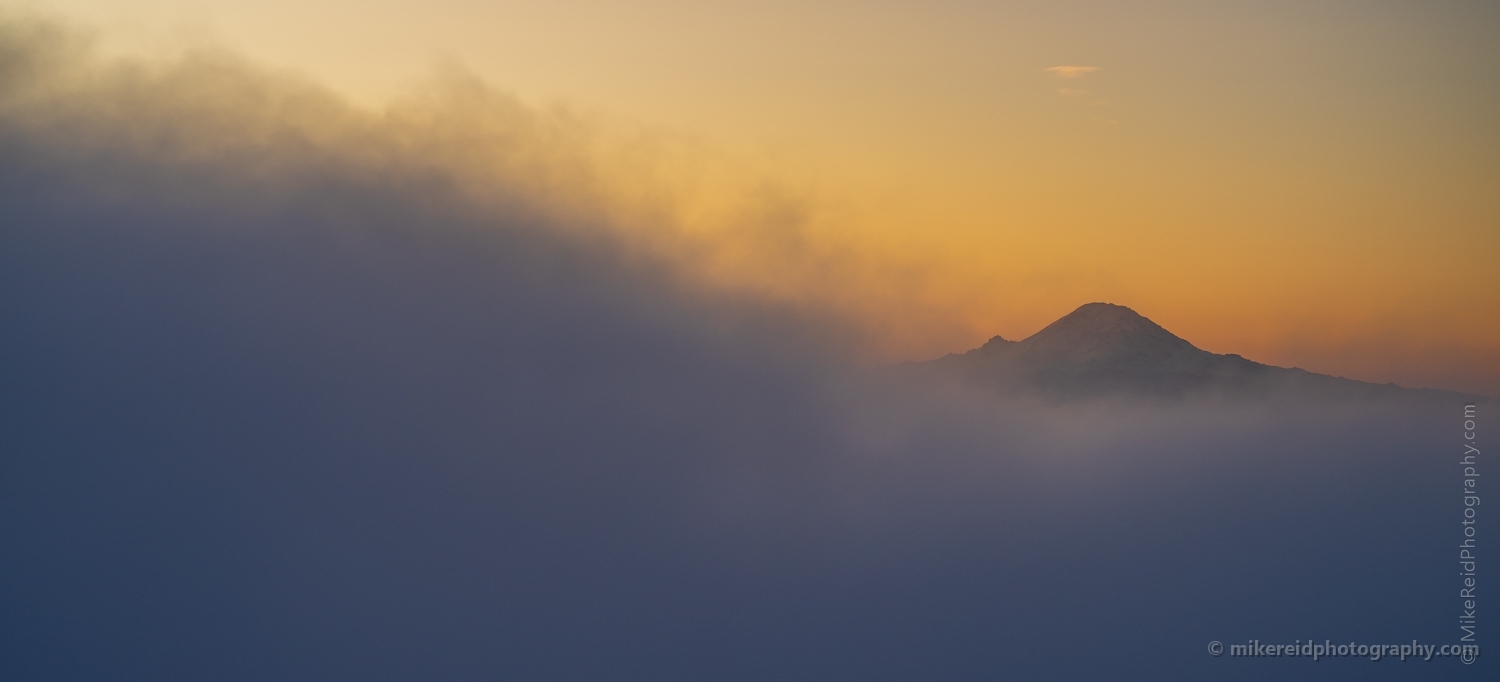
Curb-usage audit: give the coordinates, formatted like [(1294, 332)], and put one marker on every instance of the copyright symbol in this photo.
[(1215, 648), (1467, 658)]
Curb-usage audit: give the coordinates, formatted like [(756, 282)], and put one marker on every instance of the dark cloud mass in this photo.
[(295, 391)]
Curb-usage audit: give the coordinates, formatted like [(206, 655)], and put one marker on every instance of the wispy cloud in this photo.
[(1071, 71)]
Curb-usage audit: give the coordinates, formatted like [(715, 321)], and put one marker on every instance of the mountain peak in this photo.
[(1103, 331), (1102, 348), (1099, 308), (1102, 317)]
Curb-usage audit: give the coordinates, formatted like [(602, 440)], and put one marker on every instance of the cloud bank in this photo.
[(299, 391)]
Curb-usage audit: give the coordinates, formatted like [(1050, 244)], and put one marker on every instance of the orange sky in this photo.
[(1304, 183)]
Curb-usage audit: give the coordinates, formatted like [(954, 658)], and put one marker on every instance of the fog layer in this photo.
[(298, 391)]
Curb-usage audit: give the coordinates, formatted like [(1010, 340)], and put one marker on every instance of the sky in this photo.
[(1306, 184), (457, 376)]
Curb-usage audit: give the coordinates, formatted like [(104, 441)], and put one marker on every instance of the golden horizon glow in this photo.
[(1308, 185)]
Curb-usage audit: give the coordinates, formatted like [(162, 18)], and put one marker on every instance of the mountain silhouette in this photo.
[(1106, 349)]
